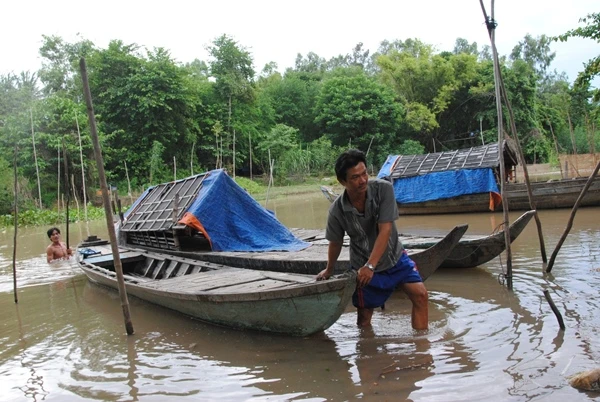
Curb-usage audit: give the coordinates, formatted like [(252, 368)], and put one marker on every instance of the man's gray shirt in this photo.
[(362, 228)]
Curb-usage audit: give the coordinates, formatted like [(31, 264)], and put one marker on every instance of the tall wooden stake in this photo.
[(106, 199), (234, 154), (250, 148), (37, 169), (128, 184), (513, 127), (14, 265), (82, 170), (67, 192), (58, 184), (192, 159), (491, 25)]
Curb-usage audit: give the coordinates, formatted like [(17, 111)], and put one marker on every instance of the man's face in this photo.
[(55, 236), (356, 179)]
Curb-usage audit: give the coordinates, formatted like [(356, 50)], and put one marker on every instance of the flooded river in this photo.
[(65, 339)]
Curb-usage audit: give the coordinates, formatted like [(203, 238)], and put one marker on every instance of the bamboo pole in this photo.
[(271, 162), (192, 159), (233, 162), (562, 176), (82, 170), (75, 197), (175, 218), (491, 26), (105, 199), (58, 184), (250, 153), (128, 183), (572, 217), (37, 169), (16, 220), (67, 190), (532, 204)]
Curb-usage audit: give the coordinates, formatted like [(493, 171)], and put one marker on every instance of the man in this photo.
[(366, 211), (57, 250)]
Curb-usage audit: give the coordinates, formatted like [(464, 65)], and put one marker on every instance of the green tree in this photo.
[(353, 108), (142, 99), (591, 30), (231, 66)]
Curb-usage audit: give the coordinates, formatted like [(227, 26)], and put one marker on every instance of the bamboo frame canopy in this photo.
[(484, 156), (154, 210)]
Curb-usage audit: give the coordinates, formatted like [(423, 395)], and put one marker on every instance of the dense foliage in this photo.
[(159, 119)]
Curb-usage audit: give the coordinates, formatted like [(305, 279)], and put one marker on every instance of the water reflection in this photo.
[(65, 340)]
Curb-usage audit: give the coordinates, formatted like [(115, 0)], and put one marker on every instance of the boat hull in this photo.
[(547, 195), (314, 258), (299, 310), (473, 251)]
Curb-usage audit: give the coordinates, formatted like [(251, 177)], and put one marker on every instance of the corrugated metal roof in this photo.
[(468, 158), (155, 211)]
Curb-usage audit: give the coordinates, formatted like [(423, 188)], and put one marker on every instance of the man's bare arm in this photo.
[(333, 253)]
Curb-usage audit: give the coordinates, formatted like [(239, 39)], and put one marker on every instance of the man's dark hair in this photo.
[(51, 230), (347, 160)]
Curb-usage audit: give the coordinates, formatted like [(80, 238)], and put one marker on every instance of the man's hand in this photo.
[(364, 276), (324, 274)]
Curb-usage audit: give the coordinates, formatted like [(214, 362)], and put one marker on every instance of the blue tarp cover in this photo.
[(234, 221), (440, 185)]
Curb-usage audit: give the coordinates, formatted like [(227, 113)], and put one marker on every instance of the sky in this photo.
[(279, 30)]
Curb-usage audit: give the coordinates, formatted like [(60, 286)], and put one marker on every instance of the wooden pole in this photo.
[(106, 199), (557, 313), (82, 170), (250, 148), (128, 184), (562, 176), (16, 220), (58, 185), (37, 169), (192, 159), (491, 25), (67, 191), (75, 196), (174, 169), (532, 204), (271, 162), (175, 219), (572, 217)]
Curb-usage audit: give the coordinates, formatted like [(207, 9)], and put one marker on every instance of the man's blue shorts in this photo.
[(382, 285)]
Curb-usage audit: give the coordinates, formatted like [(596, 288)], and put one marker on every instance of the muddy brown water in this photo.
[(65, 339)]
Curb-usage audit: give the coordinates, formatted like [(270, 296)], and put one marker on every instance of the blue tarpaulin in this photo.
[(440, 185), (234, 221)]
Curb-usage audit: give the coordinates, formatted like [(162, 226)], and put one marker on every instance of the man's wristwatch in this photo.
[(370, 266)]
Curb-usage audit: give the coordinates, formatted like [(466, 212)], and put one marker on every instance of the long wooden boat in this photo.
[(470, 251), (240, 298), (314, 258), (468, 180), (209, 217), (547, 195)]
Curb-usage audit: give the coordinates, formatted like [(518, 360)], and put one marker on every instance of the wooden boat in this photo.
[(240, 298), (468, 180), (471, 250), (314, 258), (217, 221)]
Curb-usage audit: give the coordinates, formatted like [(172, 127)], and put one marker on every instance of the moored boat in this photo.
[(290, 304), (470, 251), (215, 220), (468, 180)]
